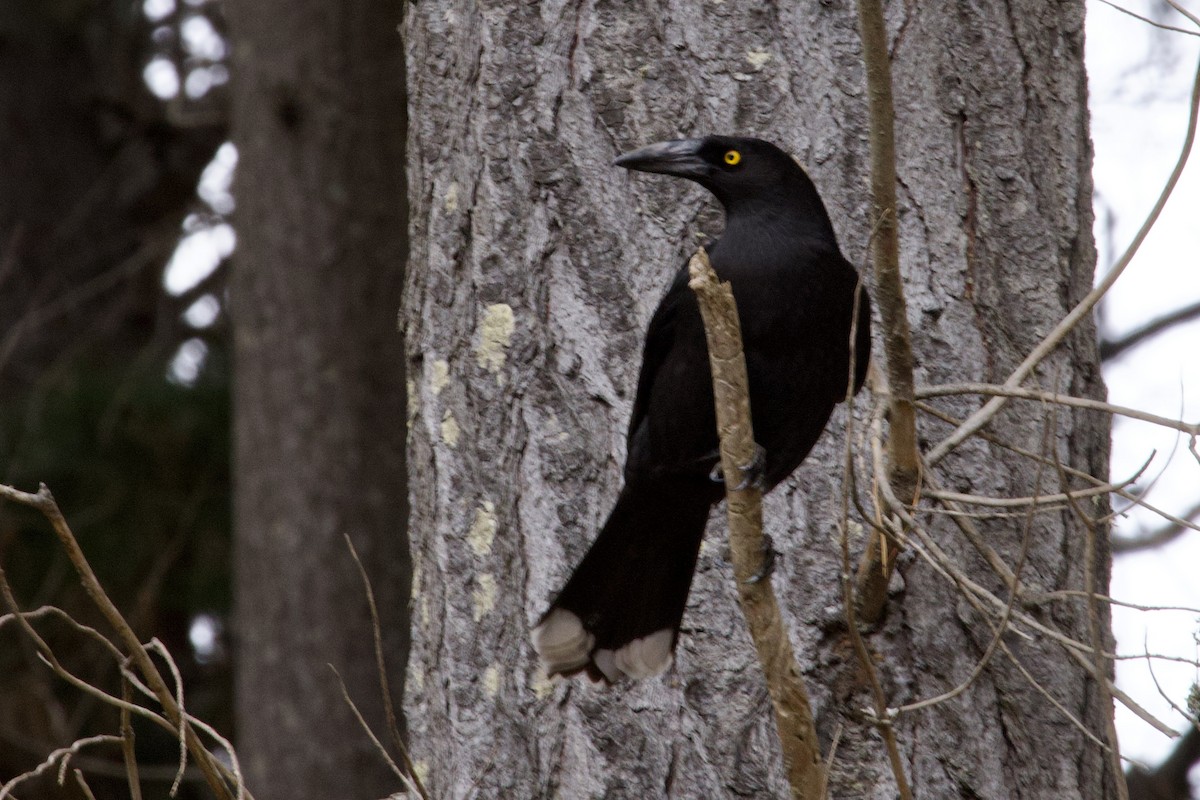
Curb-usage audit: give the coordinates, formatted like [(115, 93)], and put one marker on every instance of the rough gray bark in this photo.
[(535, 267), (319, 397)]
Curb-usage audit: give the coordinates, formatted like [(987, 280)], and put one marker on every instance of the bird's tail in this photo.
[(620, 611)]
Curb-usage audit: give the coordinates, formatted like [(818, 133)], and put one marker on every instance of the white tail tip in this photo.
[(562, 643), (641, 658)]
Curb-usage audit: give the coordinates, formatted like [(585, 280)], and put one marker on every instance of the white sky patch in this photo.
[(217, 179), (201, 40), (188, 361), (203, 312), (204, 635), (162, 78), (157, 9), (198, 82), (196, 256)]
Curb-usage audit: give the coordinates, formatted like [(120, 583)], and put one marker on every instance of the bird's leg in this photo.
[(753, 473)]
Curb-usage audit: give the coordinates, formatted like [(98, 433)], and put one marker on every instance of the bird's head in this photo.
[(732, 168)]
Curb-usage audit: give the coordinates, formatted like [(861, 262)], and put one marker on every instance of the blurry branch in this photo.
[(1169, 780), (409, 774), (984, 415), (904, 460), (174, 718), (793, 713), (407, 779), (1149, 540), (1175, 5), (1149, 21), (1111, 348)]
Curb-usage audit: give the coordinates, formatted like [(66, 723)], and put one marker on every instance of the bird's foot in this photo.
[(753, 473), (768, 559)]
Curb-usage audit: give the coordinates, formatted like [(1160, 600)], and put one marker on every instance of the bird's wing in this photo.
[(660, 337)]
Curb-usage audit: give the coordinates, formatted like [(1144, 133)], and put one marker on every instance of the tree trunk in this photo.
[(319, 121), (536, 266)]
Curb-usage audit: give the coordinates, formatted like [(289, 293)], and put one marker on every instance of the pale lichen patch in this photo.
[(758, 58), (450, 429), (495, 335), (483, 529), (484, 596), (491, 680), (439, 376), (416, 677), (414, 400), (542, 685)]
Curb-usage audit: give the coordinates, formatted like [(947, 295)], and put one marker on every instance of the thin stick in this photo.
[(63, 753), (904, 460), (793, 714), (380, 667), (1149, 21), (127, 742), (408, 784)]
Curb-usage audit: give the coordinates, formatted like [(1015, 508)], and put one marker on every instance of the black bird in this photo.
[(619, 614)]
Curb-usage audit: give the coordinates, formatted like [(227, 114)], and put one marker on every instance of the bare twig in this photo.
[(381, 668), (1175, 5), (60, 756), (1014, 592), (1148, 21), (1072, 471), (127, 742), (81, 782), (404, 778), (793, 714), (158, 647)]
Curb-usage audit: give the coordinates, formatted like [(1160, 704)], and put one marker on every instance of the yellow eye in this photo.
[(733, 158)]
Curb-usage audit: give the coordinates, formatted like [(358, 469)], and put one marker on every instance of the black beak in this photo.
[(677, 157)]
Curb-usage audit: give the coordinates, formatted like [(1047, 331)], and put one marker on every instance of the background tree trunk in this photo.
[(319, 122), (536, 266)]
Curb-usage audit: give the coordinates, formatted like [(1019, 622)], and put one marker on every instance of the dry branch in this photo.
[(793, 714), (904, 460)]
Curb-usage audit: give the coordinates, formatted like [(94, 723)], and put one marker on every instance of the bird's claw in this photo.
[(753, 473), (768, 561)]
